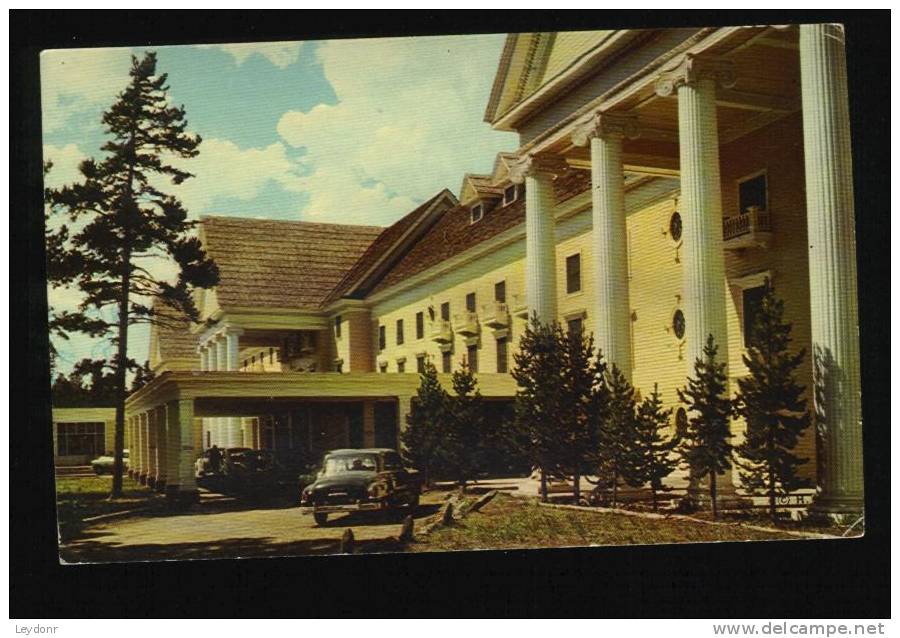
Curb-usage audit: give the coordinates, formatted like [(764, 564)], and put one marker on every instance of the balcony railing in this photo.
[(519, 306), (748, 230), (495, 315), (466, 323), (441, 331)]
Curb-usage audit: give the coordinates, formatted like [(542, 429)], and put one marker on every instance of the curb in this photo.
[(683, 517)]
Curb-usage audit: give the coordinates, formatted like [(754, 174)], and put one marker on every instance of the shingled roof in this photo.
[(173, 334), (378, 248), (266, 263), (454, 233)]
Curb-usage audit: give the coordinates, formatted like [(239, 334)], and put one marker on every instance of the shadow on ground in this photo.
[(88, 550)]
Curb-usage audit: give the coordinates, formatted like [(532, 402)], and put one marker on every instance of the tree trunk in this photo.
[(121, 370), (544, 498), (577, 486), (712, 494), (771, 467), (653, 495), (615, 487)]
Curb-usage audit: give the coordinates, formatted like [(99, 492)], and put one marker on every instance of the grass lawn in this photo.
[(515, 523), (78, 498)]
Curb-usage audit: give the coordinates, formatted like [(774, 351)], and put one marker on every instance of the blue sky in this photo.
[(346, 131)]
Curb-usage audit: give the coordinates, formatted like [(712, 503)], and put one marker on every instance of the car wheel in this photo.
[(321, 518)]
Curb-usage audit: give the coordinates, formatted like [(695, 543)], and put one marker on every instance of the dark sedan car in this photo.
[(371, 479)]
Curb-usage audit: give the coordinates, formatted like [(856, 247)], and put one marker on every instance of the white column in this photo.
[(219, 430), (540, 235), (232, 424), (152, 448), (162, 447), (612, 307), (832, 265), (695, 80), (204, 358), (145, 447), (181, 422)]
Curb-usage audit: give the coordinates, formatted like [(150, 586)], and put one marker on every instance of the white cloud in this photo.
[(281, 54), (77, 79), (65, 164), (408, 119)]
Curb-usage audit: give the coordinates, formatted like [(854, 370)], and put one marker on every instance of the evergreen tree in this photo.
[(462, 448), (705, 446), (142, 376), (122, 219), (575, 427), (539, 395), (426, 424), (772, 404), (653, 459), (616, 430)]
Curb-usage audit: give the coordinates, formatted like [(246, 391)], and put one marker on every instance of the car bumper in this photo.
[(367, 506)]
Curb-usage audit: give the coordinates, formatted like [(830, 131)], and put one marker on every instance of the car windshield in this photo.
[(350, 463)]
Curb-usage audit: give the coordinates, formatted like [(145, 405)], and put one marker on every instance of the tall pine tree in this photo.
[(773, 405), (426, 424), (616, 433), (705, 446), (576, 430), (653, 459), (121, 219), (540, 390)]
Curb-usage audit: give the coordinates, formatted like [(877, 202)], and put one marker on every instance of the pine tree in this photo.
[(653, 459), (575, 427), (426, 424), (616, 430), (539, 395), (705, 447), (122, 219), (772, 404), (463, 445), (142, 376)]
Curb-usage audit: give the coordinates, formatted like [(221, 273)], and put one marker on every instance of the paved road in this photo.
[(224, 528)]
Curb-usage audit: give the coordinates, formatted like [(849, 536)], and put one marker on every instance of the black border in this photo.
[(772, 579)]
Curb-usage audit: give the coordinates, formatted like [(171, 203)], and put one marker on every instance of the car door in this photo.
[(393, 464)]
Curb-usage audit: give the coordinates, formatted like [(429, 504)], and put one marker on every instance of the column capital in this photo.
[(228, 331), (606, 126), (530, 165), (690, 69)]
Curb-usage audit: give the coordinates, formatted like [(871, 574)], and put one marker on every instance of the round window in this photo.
[(678, 324), (675, 226), (681, 420)]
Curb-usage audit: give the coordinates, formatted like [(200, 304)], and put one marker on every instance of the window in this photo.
[(502, 355), (575, 325), (420, 325), (500, 292), (472, 352), (753, 192), (253, 361), (477, 212), (244, 366), (80, 439), (470, 302), (681, 421), (337, 327), (678, 324), (446, 361), (271, 355), (752, 304), (510, 194), (382, 367), (382, 338), (445, 311), (399, 332), (338, 366), (401, 366), (573, 273), (675, 226), (420, 363)]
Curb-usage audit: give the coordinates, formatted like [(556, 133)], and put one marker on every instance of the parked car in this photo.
[(370, 480), (104, 464)]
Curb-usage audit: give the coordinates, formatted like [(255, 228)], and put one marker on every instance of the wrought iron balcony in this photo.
[(495, 315), (752, 229), (441, 331), (466, 323)]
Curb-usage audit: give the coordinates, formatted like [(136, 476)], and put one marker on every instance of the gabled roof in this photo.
[(454, 232), (170, 336), (266, 263), (389, 247)]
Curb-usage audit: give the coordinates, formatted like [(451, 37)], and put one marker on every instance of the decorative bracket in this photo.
[(530, 165)]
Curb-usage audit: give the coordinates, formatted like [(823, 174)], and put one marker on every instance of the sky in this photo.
[(345, 131)]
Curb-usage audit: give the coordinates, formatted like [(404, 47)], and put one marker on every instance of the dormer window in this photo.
[(510, 194), (477, 212)]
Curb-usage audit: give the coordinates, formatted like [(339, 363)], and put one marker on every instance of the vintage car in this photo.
[(364, 480), (104, 464)]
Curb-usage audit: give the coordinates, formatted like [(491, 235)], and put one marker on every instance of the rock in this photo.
[(347, 542)]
